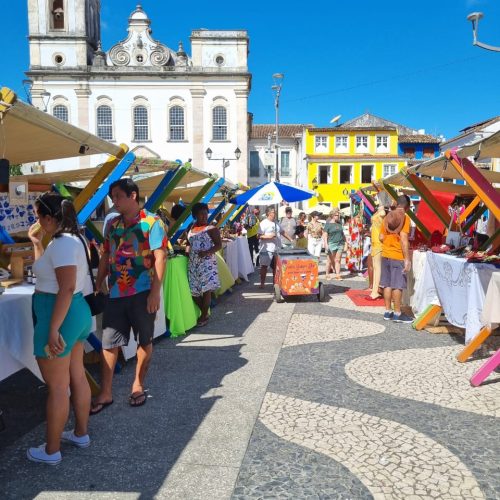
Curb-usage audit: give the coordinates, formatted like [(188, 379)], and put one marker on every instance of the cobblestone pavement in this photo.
[(300, 400), (358, 407)]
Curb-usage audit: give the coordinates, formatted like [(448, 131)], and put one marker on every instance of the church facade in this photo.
[(163, 103)]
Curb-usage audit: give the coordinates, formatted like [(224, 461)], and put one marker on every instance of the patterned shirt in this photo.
[(131, 261), (315, 229)]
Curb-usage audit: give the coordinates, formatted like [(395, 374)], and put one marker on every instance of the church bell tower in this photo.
[(63, 33)]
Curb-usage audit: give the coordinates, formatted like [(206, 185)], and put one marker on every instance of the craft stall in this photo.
[(453, 273)]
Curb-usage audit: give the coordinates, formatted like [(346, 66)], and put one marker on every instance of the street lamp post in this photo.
[(474, 18), (225, 161), (278, 80)]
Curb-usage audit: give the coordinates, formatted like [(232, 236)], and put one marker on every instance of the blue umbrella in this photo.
[(272, 193)]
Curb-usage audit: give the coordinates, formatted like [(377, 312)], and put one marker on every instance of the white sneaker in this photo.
[(78, 441), (40, 455)]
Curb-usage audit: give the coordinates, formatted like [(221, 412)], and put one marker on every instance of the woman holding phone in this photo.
[(62, 322)]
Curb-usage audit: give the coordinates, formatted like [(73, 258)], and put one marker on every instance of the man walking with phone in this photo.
[(396, 262)]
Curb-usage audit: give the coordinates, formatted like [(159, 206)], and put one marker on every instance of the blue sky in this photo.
[(410, 62)]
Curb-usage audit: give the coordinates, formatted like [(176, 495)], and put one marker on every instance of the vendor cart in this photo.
[(296, 274)]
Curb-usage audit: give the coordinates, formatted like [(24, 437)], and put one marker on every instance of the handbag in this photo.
[(96, 300)]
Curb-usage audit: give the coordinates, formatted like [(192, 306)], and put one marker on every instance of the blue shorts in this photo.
[(392, 274), (75, 328)]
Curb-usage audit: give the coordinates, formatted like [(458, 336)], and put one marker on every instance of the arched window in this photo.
[(57, 15), (105, 122), (176, 120), (61, 111), (141, 126), (219, 123)]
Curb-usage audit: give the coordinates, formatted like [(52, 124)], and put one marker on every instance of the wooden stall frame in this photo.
[(226, 216), (390, 191), (428, 197), (186, 214), (217, 211), (101, 193), (101, 174), (168, 183), (204, 196)]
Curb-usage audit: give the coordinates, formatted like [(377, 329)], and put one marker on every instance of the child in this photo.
[(301, 240)]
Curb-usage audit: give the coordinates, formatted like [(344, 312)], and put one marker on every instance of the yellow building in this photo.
[(350, 156)]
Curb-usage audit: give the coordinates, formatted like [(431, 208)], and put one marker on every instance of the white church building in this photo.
[(161, 102)]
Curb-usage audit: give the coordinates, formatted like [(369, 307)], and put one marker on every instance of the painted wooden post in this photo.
[(390, 191), (186, 214), (102, 192), (203, 197), (485, 369), (169, 182), (368, 203), (63, 191), (217, 211), (493, 240), (7, 99), (469, 209), (428, 315), (226, 216), (237, 213), (477, 214), (99, 177), (472, 175), (429, 198), (474, 344)]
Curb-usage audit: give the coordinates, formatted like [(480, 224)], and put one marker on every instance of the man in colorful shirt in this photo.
[(134, 262)]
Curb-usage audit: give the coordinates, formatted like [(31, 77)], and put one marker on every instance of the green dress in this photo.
[(180, 309), (335, 236)]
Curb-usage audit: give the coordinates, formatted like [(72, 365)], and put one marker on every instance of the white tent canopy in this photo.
[(28, 135)]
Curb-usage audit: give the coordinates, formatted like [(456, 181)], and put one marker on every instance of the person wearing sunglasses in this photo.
[(62, 323)]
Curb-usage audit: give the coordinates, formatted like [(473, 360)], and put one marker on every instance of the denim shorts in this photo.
[(75, 327), (392, 275)]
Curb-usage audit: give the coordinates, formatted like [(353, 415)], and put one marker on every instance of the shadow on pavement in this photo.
[(133, 449)]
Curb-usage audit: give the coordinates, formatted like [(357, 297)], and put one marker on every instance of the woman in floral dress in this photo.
[(204, 242), (355, 244)]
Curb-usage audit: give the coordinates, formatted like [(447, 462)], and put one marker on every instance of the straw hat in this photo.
[(394, 221)]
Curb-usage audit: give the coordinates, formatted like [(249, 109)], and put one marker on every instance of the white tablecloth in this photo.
[(424, 291), (16, 331), (491, 309), (237, 257), (460, 288)]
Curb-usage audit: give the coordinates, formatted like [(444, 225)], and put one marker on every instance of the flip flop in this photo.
[(202, 322), (373, 299), (98, 407), (132, 399)]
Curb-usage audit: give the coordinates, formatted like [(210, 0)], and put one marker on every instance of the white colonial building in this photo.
[(161, 102), (262, 159)]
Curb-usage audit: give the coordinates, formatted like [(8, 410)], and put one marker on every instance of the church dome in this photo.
[(139, 14)]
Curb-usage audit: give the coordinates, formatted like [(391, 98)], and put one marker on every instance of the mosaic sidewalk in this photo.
[(361, 408)]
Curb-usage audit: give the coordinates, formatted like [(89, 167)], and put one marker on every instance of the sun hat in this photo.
[(394, 221)]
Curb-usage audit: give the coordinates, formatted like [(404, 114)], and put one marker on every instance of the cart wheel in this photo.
[(321, 294), (277, 294)]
